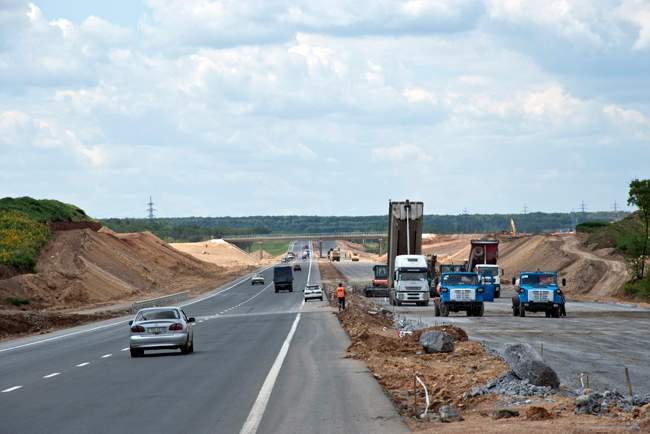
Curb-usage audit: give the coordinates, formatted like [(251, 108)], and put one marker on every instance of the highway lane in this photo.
[(599, 339), (87, 383)]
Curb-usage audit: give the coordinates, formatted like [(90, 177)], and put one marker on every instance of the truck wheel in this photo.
[(425, 303), (276, 291), (470, 311), (522, 310), (436, 309), (497, 293), (481, 310), (563, 310), (548, 313), (556, 312)]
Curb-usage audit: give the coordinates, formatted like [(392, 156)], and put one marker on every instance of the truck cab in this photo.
[(490, 274), (538, 291), (460, 291), (410, 282)]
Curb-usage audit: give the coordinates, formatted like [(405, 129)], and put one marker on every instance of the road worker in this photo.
[(340, 296)]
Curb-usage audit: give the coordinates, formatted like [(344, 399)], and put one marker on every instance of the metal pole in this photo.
[(407, 207), (629, 383)]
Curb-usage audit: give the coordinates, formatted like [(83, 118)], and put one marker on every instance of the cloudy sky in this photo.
[(236, 107)]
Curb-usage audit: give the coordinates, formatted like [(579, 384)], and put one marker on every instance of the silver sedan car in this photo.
[(161, 328)]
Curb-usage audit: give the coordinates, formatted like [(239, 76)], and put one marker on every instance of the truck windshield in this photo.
[(412, 275), (488, 272), (460, 279), (381, 272), (539, 279)]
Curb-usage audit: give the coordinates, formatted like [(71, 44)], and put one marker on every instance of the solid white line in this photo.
[(53, 374), (11, 389), (255, 416), (80, 365), (106, 355), (54, 338)]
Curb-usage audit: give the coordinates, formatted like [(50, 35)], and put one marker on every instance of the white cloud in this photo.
[(637, 12), (416, 95), (552, 101), (626, 115), (401, 152)]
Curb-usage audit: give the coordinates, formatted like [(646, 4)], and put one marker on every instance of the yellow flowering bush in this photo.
[(21, 239)]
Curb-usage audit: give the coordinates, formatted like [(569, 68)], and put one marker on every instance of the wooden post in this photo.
[(542, 350), (629, 383), (415, 395)]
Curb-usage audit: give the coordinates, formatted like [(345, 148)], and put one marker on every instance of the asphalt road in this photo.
[(263, 362), (598, 339)]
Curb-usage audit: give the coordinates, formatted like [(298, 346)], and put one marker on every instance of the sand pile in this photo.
[(82, 267), (222, 253)]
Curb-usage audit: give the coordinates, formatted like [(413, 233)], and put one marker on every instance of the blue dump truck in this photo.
[(538, 291), (459, 291), (283, 278)]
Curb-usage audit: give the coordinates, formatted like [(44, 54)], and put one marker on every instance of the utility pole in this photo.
[(615, 207), (150, 209), (525, 209)]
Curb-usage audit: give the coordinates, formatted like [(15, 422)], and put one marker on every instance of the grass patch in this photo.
[(273, 247), (591, 227), (621, 235), (44, 210), (24, 230), (18, 301), (638, 288)]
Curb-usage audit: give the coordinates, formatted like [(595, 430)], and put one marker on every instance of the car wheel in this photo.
[(185, 349), (136, 352), (321, 298), (192, 346), (522, 310)]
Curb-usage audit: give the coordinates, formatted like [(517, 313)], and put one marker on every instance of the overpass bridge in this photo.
[(343, 236)]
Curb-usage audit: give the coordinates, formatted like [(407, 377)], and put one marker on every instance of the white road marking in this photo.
[(80, 365), (255, 416), (53, 374), (106, 356), (11, 389), (125, 349)]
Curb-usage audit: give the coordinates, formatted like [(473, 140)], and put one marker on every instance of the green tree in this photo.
[(640, 197)]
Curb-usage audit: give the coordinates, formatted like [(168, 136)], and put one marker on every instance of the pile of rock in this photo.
[(600, 403), (509, 384)]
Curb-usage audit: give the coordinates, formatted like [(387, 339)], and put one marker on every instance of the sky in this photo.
[(269, 107)]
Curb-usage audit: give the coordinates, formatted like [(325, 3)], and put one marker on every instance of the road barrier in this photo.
[(165, 300)]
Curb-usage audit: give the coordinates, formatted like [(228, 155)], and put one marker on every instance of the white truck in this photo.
[(493, 271), (410, 284)]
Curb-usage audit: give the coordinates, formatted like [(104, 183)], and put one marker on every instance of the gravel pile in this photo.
[(600, 403), (510, 385)]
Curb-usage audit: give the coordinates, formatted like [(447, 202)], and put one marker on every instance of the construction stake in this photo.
[(415, 395), (629, 383), (542, 350)]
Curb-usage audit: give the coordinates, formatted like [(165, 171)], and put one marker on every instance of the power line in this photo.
[(150, 209)]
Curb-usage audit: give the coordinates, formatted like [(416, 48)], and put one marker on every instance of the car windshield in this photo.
[(460, 279), (412, 275), (488, 272), (148, 315), (539, 279)]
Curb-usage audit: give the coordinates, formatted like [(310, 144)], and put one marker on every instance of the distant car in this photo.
[(257, 279), (297, 267), (313, 291), (354, 257), (161, 328)]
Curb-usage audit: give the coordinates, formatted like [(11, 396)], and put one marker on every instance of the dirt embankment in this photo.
[(596, 275), (82, 269)]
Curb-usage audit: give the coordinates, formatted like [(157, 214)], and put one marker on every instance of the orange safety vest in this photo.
[(340, 292)]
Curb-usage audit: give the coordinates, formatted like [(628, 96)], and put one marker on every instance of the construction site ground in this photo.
[(394, 361)]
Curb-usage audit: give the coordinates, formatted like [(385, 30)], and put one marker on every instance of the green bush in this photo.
[(638, 288), (21, 239), (590, 227), (18, 301), (44, 210)]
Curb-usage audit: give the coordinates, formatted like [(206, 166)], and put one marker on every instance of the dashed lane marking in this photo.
[(106, 356), (53, 374), (11, 389), (81, 365)]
